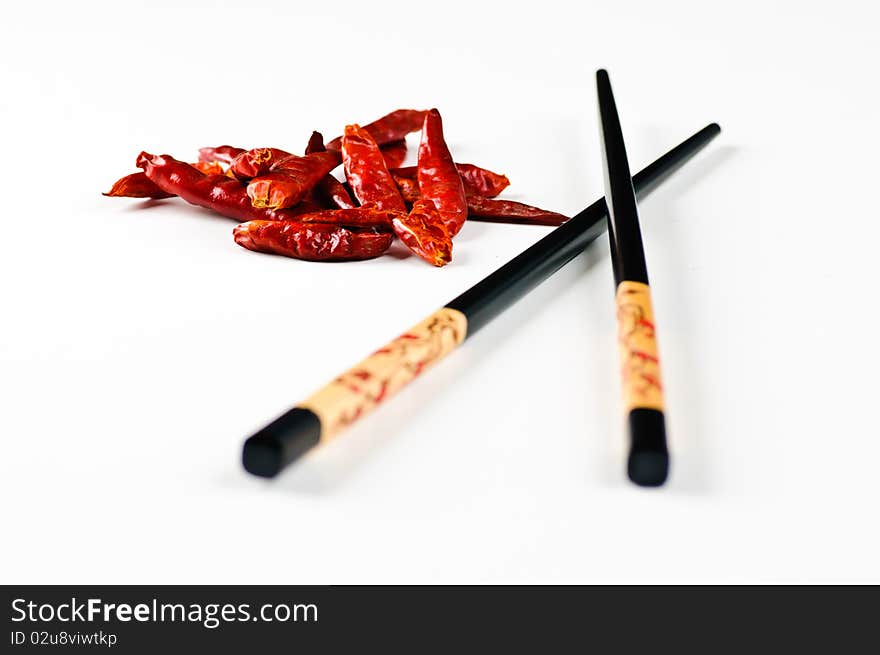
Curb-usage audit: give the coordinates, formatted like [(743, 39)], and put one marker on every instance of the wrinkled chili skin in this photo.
[(223, 154), (357, 217), (439, 180), (255, 162), (208, 168), (137, 185), (409, 188), (477, 181), (481, 181), (312, 241), (391, 127), (224, 195), (290, 179), (424, 233), (366, 172), (508, 211), (394, 153)]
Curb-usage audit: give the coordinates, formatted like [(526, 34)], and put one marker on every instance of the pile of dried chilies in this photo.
[(292, 205)]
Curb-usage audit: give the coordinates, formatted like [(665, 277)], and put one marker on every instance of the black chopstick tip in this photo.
[(648, 462), (284, 440), (648, 468), (603, 81), (262, 457)]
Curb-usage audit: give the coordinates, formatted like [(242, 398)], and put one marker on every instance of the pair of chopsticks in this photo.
[(324, 414)]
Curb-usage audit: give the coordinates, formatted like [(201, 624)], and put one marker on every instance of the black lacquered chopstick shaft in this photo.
[(495, 293), (333, 407), (627, 250)]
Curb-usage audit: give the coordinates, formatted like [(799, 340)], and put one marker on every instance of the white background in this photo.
[(139, 345)]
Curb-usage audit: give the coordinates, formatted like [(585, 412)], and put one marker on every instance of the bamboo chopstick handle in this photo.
[(354, 393), (648, 462)]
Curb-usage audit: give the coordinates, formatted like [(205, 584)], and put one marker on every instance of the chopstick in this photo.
[(648, 460), (327, 412)]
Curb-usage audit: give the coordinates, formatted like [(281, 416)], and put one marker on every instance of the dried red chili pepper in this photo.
[(137, 185), (508, 211), (312, 241), (224, 154), (290, 179), (477, 181), (366, 172), (224, 195), (394, 153), (424, 233), (439, 180), (391, 127), (255, 162)]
